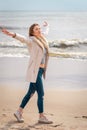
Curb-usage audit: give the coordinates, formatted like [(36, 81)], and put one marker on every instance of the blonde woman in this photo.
[(39, 54)]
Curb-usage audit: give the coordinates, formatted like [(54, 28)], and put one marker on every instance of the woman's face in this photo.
[(37, 31)]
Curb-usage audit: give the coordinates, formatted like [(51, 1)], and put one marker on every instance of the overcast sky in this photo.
[(48, 5)]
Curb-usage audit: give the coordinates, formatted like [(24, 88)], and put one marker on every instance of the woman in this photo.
[(39, 54)]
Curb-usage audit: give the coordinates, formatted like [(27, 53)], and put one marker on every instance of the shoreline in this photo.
[(62, 73)]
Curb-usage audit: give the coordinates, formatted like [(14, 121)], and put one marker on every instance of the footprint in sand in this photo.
[(4, 115)]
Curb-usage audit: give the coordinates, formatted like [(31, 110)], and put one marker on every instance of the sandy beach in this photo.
[(65, 95)]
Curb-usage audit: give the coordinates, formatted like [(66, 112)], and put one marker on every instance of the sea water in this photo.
[(67, 35)]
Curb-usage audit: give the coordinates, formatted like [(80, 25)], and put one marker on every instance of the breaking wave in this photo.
[(75, 48)]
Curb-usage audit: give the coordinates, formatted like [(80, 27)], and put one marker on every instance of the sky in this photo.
[(41, 5)]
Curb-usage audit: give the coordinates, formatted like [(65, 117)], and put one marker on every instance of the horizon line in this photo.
[(46, 10)]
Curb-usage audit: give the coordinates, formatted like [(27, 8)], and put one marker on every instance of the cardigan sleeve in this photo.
[(45, 30), (22, 39)]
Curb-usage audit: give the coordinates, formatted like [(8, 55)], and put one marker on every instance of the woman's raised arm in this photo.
[(19, 37), (5, 31), (45, 28)]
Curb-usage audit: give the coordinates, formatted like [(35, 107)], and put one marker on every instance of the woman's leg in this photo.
[(40, 91), (29, 94), (31, 91)]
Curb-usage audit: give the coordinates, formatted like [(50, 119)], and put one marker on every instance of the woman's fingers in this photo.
[(45, 23), (5, 31)]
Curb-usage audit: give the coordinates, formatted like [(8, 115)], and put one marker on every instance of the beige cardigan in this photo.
[(36, 53)]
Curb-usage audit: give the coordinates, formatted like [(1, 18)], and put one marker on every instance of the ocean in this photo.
[(67, 35)]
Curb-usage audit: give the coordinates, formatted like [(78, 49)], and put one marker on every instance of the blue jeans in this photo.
[(38, 86)]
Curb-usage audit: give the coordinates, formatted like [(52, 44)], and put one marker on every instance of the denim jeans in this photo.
[(38, 87)]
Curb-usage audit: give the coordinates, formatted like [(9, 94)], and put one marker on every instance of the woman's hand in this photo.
[(45, 28), (45, 23), (5, 31)]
